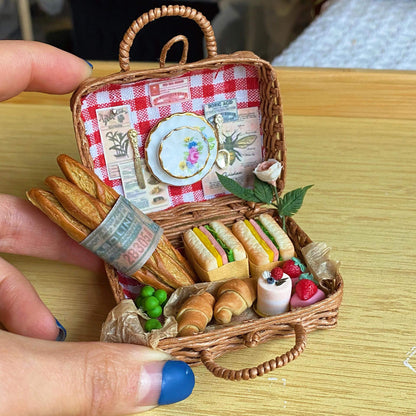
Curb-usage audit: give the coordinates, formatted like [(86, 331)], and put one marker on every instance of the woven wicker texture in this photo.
[(206, 347)]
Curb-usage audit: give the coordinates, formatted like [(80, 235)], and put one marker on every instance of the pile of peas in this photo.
[(152, 302)]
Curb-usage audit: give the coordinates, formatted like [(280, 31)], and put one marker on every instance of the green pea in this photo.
[(152, 324), (138, 301), (160, 295), (150, 303), (147, 291), (155, 312)]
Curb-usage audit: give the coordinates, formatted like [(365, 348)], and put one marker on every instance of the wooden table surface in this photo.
[(353, 135)]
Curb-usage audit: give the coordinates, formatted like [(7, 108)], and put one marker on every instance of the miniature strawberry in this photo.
[(277, 273), (291, 269), (306, 288)]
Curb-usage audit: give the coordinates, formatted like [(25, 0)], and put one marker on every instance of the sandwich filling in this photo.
[(264, 238), (222, 253)]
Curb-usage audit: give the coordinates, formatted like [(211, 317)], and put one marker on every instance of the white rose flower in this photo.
[(268, 171)]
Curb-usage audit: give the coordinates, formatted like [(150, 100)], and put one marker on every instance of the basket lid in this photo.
[(260, 89)]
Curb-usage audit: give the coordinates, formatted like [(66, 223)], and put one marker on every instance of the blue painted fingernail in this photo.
[(62, 331), (89, 63), (178, 381)]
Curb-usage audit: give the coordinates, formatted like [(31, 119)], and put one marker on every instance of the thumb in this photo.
[(93, 378)]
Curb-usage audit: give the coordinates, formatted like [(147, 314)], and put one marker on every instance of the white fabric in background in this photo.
[(377, 34)]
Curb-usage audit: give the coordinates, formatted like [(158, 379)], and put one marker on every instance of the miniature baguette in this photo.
[(168, 270), (80, 205), (87, 180), (147, 277), (233, 298), (78, 213), (50, 206), (91, 212), (195, 314), (91, 184), (166, 246)]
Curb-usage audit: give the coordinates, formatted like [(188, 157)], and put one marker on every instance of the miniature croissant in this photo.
[(233, 298), (195, 314)]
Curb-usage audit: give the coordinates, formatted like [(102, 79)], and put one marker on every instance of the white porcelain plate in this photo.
[(184, 152), (181, 149)]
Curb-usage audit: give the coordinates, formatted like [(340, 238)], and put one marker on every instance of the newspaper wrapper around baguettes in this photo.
[(125, 239)]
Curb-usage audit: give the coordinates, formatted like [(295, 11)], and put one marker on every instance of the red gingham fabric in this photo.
[(206, 86)]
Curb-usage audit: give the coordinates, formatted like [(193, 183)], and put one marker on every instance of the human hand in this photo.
[(40, 376)]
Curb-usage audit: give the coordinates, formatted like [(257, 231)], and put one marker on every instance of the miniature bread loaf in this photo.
[(79, 205), (87, 180), (195, 314), (86, 209), (47, 202), (233, 298)]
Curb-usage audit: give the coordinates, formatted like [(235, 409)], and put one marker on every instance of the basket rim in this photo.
[(299, 315), (92, 84)]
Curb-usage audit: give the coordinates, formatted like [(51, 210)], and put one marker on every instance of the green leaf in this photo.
[(299, 264), (228, 251), (236, 189), (291, 202), (263, 191), (267, 232), (308, 276)]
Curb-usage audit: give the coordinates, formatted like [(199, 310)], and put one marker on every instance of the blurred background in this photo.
[(376, 34), (92, 29)]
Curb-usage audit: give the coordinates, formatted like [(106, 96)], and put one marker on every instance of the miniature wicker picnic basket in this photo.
[(206, 347)]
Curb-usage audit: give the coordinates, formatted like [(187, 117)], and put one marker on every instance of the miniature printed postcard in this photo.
[(240, 149), (169, 91), (227, 108), (113, 124), (154, 197)]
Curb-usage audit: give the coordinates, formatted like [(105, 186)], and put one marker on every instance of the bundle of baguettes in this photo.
[(79, 203)]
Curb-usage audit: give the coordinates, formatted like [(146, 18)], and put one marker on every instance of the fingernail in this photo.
[(178, 381), (62, 331), (89, 63), (164, 382)]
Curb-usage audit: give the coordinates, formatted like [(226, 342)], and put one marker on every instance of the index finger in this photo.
[(35, 66)]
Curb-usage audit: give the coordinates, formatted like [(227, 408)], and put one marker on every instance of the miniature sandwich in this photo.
[(266, 244), (215, 252)]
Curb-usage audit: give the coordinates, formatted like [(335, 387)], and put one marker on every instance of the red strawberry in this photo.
[(277, 273), (291, 269), (306, 288)]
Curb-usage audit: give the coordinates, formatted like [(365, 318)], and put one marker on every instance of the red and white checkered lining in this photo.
[(206, 86)]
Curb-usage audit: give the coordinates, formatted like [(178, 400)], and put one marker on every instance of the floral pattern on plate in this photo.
[(160, 164), (184, 152)]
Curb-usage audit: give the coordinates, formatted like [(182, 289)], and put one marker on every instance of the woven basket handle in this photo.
[(267, 366), (169, 44), (157, 13)]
